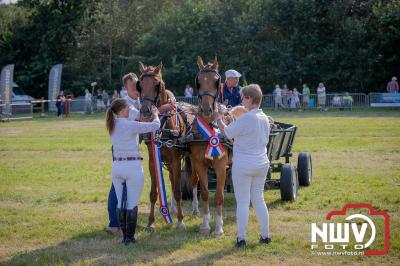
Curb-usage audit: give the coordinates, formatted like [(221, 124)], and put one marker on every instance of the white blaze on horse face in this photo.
[(205, 78)]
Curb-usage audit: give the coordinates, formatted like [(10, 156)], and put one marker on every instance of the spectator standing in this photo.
[(60, 104), (336, 101), (296, 97), (292, 100), (306, 95), (99, 103), (88, 102), (347, 101), (321, 93), (285, 95), (188, 91), (115, 95), (105, 98), (393, 86), (278, 96)]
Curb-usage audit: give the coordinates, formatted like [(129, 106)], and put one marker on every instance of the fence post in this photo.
[(42, 115)]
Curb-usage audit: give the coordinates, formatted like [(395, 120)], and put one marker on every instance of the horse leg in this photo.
[(193, 184), (176, 184), (195, 201), (220, 170), (201, 170), (153, 192), (167, 155)]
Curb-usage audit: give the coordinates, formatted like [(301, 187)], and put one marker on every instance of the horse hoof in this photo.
[(205, 231), (217, 233), (180, 226), (195, 212), (149, 229)]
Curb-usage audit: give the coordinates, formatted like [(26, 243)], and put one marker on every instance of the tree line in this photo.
[(350, 45)]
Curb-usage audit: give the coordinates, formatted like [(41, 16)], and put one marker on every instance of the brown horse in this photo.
[(208, 81), (153, 94)]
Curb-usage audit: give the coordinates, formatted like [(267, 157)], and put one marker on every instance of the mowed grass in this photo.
[(55, 178)]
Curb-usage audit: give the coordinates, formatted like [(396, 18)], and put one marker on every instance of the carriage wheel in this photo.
[(304, 168), (288, 184)]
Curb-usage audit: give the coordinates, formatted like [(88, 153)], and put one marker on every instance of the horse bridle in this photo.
[(207, 92), (153, 100)]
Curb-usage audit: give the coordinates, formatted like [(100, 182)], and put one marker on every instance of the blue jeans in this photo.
[(112, 205), (112, 208)]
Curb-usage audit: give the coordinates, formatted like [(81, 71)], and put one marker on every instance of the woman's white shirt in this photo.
[(125, 138), (251, 135)]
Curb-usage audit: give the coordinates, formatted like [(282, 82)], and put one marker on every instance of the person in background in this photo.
[(321, 93), (60, 104), (127, 163), (115, 95), (278, 97), (105, 98), (99, 103), (123, 93), (88, 102), (393, 86), (296, 96), (292, 101), (132, 98), (336, 101), (188, 91), (229, 95), (250, 163), (347, 100), (285, 96), (306, 95)]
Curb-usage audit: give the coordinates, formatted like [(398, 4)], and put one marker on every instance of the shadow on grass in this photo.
[(101, 248)]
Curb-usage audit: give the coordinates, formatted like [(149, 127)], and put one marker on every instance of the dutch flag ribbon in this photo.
[(214, 147), (162, 193)]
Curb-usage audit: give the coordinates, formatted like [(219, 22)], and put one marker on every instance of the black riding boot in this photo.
[(121, 213), (131, 220)]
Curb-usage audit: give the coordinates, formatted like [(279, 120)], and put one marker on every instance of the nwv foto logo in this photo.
[(337, 235)]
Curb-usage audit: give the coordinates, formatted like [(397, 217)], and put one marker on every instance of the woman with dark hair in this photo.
[(127, 166)]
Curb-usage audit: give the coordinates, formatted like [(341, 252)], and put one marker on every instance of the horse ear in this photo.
[(141, 67), (215, 64), (200, 62), (158, 68)]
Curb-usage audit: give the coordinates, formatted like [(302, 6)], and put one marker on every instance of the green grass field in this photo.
[(55, 177)]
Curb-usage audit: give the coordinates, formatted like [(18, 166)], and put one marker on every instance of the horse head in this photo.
[(151, 88), (207, 83)]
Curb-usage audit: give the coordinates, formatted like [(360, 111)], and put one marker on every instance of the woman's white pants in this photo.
[(130, 172), (248, 185)]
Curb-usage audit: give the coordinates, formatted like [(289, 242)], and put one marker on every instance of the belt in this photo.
[(127, 159)]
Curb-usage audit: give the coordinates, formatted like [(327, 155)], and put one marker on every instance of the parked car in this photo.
[(19, 96)]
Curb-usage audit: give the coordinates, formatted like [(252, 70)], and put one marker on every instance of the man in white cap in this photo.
[(393, 86), (229, 94)]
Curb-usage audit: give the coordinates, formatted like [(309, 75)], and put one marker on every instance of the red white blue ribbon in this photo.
[(162, 193), (214, 147)]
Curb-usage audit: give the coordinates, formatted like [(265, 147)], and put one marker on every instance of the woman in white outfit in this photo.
[(250, 163), (127, 162)]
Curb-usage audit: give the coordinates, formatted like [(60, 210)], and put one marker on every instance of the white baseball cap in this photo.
[(231, 73)]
